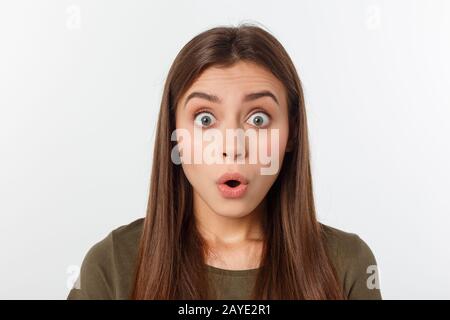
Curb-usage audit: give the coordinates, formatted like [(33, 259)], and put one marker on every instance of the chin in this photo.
[(232, 208)]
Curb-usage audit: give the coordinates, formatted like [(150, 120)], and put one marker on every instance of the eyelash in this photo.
[(255, 110), (200, 111)]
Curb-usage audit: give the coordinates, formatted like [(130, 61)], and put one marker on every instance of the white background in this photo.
[(80, 89)]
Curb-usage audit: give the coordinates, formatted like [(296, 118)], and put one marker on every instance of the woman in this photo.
[(230, 229)]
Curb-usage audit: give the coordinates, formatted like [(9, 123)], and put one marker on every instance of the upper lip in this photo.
[(232, 176)]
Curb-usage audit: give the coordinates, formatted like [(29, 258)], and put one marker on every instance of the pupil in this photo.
[(205, 120), (257, 120)]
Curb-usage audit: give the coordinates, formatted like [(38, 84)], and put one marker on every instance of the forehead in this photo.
[(240, 78)]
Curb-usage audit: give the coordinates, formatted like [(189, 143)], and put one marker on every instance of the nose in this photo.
[(233, 155), (234, 144)]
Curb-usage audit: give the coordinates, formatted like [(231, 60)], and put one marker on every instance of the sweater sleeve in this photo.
[(94, 280)]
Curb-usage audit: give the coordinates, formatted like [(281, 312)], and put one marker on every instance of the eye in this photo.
[(259, 119), (204, 119)]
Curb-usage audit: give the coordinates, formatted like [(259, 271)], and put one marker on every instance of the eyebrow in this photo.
[(216, 99)]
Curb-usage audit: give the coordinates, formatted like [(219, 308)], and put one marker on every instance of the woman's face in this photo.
[(206, 120)]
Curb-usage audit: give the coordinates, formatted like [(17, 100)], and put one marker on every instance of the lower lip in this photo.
[(229, 192)]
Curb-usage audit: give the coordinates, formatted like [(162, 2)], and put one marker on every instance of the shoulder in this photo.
[(120, 242), (127, 235), (344, 244), (107, 268), (354, 261)]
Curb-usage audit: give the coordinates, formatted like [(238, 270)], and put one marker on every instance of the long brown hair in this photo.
[(295, 263)]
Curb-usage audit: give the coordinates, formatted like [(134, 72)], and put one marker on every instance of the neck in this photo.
[(228, 230)]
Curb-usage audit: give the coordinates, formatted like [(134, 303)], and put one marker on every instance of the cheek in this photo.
[(273, 142), (284, 133), (193, 147)]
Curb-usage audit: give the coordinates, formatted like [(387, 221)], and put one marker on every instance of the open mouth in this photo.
[(232, 183)]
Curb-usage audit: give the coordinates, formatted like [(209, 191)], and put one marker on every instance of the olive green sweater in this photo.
[(107, 270)]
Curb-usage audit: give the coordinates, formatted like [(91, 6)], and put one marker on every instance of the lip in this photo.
[(232, 192)]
